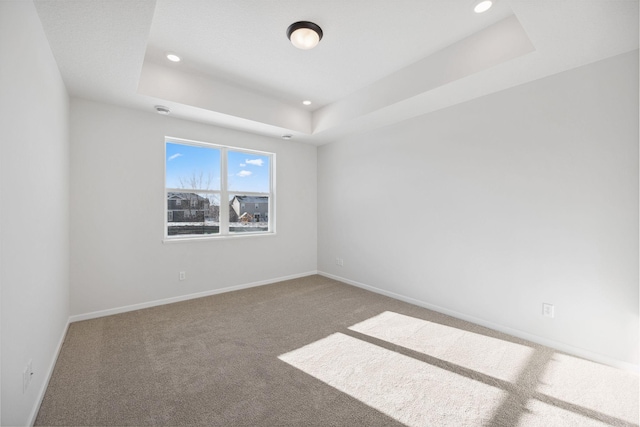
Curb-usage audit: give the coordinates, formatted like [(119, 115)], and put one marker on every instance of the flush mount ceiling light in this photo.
[(482, 6), (304, 34), (173, 57), (161, 109), (306, 102)]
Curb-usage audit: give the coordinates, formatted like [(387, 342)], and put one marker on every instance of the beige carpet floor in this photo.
[(317, 352)]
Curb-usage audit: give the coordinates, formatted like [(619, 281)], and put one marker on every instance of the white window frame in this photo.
[(223, 193)]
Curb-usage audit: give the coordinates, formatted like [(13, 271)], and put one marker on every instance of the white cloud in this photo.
[(243, 174), (175, 156), (256, 162), (242, 165)]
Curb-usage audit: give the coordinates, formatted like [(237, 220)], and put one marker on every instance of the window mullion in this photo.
[(224, 193), (250, 193), (192, 190)]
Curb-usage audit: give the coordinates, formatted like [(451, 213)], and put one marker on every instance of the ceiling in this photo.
[(379, 62)]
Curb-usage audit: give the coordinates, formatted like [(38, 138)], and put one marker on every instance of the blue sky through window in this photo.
[(187, 165), (248, 172)]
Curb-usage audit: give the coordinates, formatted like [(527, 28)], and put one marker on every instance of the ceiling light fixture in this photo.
[(481, 6), (161, 109), (304, 34), (173, 57), (306, 102)]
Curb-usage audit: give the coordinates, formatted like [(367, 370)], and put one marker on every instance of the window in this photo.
[(217, 182)]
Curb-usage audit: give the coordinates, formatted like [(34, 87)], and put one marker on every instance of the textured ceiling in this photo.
[(379, 62), (244, 42)]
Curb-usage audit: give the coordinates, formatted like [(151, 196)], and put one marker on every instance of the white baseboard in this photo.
[(133, 307), (48, 373), (566, 348)]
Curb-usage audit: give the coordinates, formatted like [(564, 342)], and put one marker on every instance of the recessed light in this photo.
[(306, 102), (173, 57), (161, 109), (482, 6)]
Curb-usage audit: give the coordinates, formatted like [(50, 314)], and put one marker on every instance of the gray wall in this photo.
[(118, 256), (34, 226), (522, 197)]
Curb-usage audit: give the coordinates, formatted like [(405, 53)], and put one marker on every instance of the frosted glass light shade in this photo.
[(304, 35)]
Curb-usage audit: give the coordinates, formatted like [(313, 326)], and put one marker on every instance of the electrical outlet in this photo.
[(548, 310), (183, 275), (340, 262)]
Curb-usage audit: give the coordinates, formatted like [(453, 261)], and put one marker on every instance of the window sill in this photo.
[(218, 237)]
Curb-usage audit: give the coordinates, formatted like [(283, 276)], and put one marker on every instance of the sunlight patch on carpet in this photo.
[(591, 385), (491, 356), (408, 390), (540, 414)]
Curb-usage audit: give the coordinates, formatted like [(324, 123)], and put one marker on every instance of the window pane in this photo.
[(196, 197), (254, 216), (192, 214), (192, 167), (248, 172)]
